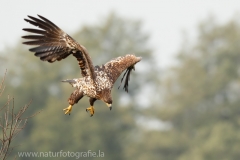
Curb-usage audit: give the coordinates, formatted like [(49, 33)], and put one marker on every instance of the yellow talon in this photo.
[(91, 110), (68, 109)]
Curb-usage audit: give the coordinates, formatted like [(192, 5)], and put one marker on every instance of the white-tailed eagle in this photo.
[(53, 44)]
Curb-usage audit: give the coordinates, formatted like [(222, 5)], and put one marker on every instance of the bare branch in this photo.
[(11, 123), (1, 85)]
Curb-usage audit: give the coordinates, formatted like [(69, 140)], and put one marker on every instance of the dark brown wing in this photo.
[(54, 44), (115, 67)]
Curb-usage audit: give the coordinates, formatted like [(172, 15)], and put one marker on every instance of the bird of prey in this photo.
[(53, 44)]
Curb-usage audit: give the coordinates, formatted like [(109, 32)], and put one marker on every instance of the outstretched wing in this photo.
[(54, 44), (115, 67)]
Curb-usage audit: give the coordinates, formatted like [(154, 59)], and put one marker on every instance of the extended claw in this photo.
[(68, 109), (91, 110)]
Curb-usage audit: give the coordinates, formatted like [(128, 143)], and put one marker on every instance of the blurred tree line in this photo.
[(189, 111)]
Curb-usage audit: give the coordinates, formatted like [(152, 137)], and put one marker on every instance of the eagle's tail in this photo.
[(70, 81)]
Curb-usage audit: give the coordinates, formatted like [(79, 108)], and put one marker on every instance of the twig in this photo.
[(11, 123), (1, 85)]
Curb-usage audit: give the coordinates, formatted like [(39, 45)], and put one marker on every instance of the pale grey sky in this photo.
[(164, 20)]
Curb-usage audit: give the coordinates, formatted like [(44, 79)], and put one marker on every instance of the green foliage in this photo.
[(201, 98)]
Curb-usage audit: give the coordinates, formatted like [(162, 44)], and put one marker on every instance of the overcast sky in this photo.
[(164, 20)]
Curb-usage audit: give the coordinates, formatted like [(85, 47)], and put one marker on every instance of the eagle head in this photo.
[(107, 97)]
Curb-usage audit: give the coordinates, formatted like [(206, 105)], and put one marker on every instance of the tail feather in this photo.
[(70, 81)]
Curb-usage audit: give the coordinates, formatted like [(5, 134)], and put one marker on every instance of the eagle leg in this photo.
[(73, 99), (91, 108), (68, 109)]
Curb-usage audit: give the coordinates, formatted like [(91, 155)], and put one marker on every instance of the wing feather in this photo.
[(54, 44), (37, 31), (114, 68)]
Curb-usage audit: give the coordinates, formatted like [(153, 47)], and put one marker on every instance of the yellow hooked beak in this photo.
[(109, 106)]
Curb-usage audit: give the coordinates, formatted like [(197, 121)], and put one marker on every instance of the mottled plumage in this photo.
[(96, 82)]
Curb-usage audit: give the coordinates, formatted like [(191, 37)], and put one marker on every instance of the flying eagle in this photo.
[(53, 44)]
